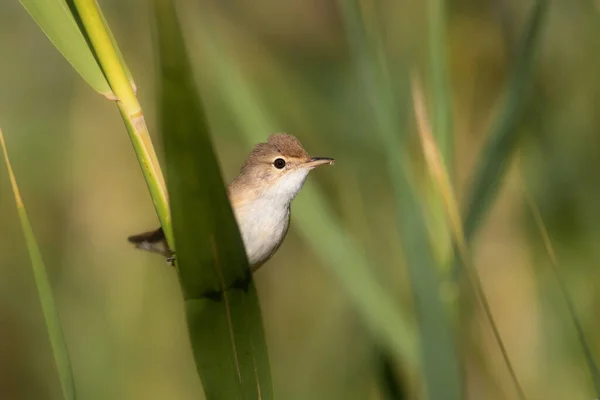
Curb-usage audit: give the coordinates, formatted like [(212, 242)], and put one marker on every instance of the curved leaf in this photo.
[(222, 306), (42, 282), (55, 19)]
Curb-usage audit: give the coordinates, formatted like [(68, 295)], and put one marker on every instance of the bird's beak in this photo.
[(316, 161)]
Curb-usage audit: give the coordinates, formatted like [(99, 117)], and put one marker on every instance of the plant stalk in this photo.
[(130, 109)]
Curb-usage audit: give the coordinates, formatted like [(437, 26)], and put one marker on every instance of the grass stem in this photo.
[(130, 109)]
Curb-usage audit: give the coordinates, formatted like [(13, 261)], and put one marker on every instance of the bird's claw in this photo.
[(171, 259)]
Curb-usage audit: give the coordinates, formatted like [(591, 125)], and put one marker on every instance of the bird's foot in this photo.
[(171, 259)]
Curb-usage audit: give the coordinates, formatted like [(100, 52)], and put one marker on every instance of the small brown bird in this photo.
[(260, 197)]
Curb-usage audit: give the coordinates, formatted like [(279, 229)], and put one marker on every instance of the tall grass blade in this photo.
[(440, 104), (435, 165), (440, 94), (222, 306), (440, 363), (440, 177), (587, 350), (504, 133), (316, 222), (42, 282), (55, 19)]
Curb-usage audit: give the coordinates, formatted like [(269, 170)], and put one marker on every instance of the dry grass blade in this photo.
[(439, 176), (435, 165), (42, 282)]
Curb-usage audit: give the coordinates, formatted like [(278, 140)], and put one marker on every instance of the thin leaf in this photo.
[(42, 282), (504, 134), (57, 22), (587, 350), (440, 101), (440, 177), (440, 363), (222, 306), (438, 65)]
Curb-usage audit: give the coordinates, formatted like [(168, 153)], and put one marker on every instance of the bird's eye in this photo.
[(279, 163)]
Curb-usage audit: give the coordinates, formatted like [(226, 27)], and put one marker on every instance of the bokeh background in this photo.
[(289, 69)]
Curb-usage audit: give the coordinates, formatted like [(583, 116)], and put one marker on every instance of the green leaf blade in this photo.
[(504, 133), (56, 21), (438, 64), (42, 283), (440, 364), (222, 305)]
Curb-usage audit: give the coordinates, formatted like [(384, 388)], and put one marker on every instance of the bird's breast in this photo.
[(263, 225)]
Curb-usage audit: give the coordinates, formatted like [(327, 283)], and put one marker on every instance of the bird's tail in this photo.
[(153, 241)]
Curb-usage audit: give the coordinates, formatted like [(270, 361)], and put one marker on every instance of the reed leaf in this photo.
[(591, 364), (504, 133), (440, 93), (56, 20), (440, 363), (441, 121), (42, 283), (440, 178), (222, 306)]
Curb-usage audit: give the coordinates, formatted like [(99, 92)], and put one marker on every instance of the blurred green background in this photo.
[(289, 67)]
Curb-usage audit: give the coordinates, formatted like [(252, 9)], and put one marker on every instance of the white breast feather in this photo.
[(264, 221)]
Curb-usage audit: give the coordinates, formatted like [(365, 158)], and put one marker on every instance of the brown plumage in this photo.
[(251, 181), (260, 197)]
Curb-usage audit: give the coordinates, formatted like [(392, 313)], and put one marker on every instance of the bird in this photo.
[(260, 196)]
